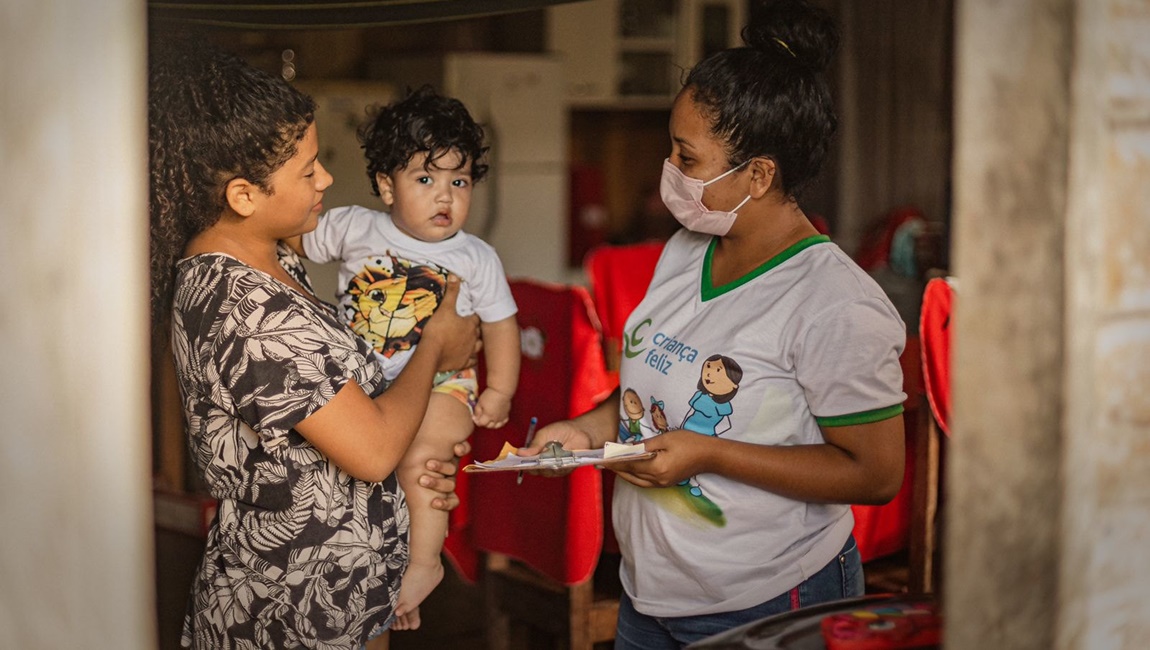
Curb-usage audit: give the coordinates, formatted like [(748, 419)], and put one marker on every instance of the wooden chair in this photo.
[(923, 549), (541, 540), (935, 334)]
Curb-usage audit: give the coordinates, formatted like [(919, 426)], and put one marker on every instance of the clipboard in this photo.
[(554, 456)]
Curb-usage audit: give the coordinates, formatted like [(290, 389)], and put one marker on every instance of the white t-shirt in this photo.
[(806, 339), (390, 283)]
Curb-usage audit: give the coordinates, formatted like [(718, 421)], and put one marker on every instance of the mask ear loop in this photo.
[(729, 171)]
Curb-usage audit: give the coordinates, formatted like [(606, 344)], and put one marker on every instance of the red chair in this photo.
[(619, 277), (936, 331), (541, 540)]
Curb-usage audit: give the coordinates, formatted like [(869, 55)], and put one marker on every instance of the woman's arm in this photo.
[(858, 464), (367, 437)]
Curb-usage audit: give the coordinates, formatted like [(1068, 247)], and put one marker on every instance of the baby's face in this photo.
[(429, 203)]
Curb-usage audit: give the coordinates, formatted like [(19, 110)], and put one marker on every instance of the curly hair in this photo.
[(212, 118), (423, 121), (769, 98)]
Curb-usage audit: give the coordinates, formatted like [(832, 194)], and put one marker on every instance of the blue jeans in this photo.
[(841, 578)]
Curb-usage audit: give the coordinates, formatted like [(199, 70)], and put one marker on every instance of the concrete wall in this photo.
[(1104, 568), (76, 556), (1011, 155), (1048, 516)]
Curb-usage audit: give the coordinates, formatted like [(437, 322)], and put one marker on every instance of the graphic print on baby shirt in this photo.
[(391, 300)]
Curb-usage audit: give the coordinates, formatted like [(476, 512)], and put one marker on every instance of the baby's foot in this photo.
[(418, 581)]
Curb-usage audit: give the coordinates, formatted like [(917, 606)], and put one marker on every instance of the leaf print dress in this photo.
[(301, 554)]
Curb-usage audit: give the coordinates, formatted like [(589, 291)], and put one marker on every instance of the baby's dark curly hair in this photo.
[(212, 118), (424, 121)]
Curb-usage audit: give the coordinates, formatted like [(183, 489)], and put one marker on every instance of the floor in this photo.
[(453, 614)]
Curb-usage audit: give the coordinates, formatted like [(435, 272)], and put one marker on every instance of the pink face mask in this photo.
[(683, 196)]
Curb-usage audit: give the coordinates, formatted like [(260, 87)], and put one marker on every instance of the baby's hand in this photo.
[(492, 409)]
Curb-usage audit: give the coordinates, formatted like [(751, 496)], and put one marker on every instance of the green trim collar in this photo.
[(709, 292)]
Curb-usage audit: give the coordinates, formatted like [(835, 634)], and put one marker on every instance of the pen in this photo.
[(527, 443)]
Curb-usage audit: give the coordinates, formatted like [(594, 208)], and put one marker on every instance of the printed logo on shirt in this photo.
[(633, 339), (666, 352)]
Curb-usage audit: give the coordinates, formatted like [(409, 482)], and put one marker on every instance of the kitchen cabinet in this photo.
[(634, 53)]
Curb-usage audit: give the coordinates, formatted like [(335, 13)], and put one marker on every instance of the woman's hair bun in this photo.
[(794, 29)]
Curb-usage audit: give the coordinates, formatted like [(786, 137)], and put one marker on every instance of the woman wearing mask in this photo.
[(756, 321)]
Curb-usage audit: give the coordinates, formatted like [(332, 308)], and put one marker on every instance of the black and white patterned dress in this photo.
[(301, 554)]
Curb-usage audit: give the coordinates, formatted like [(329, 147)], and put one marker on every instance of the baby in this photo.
[(424, 154)]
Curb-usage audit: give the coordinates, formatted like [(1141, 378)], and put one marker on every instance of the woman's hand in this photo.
[(454, 337), (440, 477), (567, 433), (679, 454)]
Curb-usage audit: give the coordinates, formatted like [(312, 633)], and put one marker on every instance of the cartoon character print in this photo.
[(659, 416), (709, 408), (631, 424), (391, 300)]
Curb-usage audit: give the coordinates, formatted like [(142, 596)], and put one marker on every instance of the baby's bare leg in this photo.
[(448, 421)]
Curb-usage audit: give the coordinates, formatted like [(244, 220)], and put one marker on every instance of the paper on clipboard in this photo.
[(558, 458)]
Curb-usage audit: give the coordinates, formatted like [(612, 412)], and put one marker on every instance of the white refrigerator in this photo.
[(521, 207)]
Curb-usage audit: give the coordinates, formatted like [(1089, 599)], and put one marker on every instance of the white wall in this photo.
[(76, 557)]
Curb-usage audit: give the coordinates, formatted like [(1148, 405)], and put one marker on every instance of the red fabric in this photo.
[(936, 332), (619, 277), (554, 525), (874, 250), (883, 530)]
